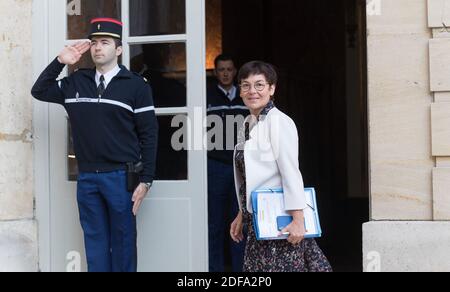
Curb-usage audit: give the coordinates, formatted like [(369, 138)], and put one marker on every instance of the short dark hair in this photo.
[(118, 42), (259, 68), (223, 58)]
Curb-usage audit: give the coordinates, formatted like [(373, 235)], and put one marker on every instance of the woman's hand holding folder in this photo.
[(296, 230)]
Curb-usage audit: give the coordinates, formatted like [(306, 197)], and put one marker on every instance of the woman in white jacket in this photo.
[(267, 157)]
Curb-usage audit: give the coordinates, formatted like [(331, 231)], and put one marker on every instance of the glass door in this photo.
[(164, 41)]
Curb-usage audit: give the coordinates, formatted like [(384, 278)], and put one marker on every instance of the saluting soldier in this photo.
[(112, 114)]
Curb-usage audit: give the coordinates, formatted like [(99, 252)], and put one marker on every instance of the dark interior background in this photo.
[(319, 48)]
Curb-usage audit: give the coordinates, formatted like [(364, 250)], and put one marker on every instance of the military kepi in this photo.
[(106, 27)]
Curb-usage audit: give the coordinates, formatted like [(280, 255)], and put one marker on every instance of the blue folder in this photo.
[(283, 220)]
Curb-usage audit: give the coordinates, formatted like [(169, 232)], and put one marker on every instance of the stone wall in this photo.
[(438, 16), (399, 111), (409, 108), (18, 243), (407, 246)]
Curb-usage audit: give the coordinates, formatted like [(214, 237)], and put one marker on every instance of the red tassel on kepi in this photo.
[(106, 27)]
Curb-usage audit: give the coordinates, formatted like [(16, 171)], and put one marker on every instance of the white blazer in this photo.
[(271, 160)]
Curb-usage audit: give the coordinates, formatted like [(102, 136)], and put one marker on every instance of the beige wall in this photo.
[(399, 111), (409, 110), (409, 107), (438, 13), (407, 246), (18, 247)]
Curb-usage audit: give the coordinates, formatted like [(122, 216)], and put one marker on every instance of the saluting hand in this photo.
[(72, 54)]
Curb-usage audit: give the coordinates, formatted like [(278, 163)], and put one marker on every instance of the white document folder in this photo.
[(270, 216)]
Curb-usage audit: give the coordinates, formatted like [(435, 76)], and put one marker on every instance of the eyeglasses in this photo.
[(258, 86)]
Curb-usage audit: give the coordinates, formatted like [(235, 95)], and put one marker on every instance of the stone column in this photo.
[(18, 233), (409, 85), (439, 22)]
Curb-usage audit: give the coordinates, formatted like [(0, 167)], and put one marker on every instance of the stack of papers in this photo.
[(270, 216)]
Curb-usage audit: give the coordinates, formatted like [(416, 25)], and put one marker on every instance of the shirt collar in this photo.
[(251, 121), (230, 94), (262, 116), (108, 76)]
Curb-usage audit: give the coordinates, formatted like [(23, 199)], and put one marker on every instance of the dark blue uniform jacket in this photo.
[(108, 131)]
